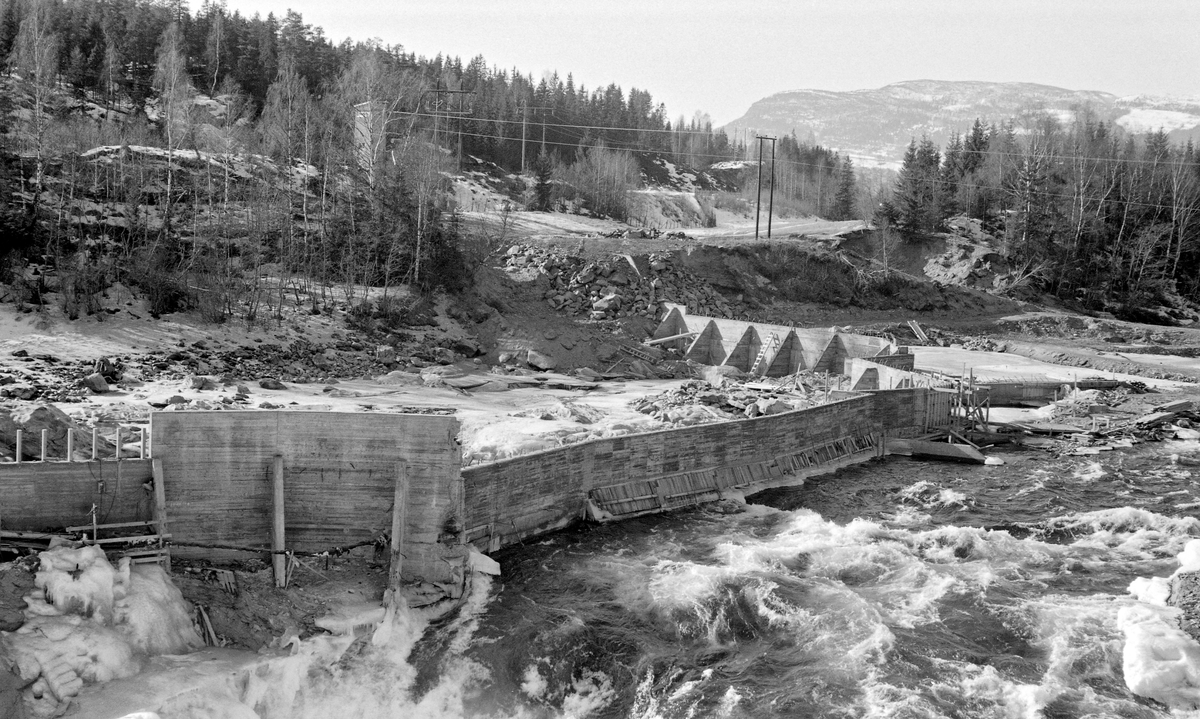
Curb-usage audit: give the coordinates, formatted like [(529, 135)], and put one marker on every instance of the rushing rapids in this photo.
[(894, 589), (898, 588)]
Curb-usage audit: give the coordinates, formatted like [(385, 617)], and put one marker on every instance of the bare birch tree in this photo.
[(35, 57), (175, 104)]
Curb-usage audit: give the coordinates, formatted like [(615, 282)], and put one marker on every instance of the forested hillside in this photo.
[(1090, 213), (113, 49), (184, 153), (217, 161)]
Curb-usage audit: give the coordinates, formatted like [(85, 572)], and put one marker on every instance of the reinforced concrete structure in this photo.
[(763, 349), (224, 484)]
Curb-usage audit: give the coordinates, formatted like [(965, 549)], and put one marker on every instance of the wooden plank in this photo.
[(118, 525), (399, 525), (1179, 405), (29, 535), (1045, 427), (680, 336), (961, 438), (935, 450), (1154, 418), (131, 538), (160, 504), (278, 529)]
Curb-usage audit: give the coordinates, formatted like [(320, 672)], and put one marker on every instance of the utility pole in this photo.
[(524, 124), (460, 113), (771, 204), (758, 201), (758, 190)]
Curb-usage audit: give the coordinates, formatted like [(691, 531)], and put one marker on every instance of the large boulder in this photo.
[(96, 383), (203, 383), (466, 347), (537, 360), (32, 419), (400, 377), (20, 390)]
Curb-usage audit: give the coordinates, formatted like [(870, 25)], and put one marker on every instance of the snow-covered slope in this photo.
[(875, 126)]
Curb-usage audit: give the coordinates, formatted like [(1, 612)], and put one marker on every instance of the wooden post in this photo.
[(160, 504), (45, 434), (399, 526), (19, 449), (118, 449), (278, 559), (95, 443), (70, 445), (142, 443), (971, 399)]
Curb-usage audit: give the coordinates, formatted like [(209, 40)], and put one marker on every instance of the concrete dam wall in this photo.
[(237, 482), (507, 501)]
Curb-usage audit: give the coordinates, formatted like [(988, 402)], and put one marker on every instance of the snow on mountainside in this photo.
[(875, 126)]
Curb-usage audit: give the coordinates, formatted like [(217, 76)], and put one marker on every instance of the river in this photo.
[(897, 588)]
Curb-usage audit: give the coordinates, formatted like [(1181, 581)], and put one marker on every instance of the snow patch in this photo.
[(1151, 120), (88, 622)]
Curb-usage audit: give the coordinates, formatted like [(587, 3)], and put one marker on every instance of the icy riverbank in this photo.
[(88, 622)]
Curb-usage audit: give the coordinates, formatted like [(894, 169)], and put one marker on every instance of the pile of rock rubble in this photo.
[(698, 401), (47, 378), (618, 287)]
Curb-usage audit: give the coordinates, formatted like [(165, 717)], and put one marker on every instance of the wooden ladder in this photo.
[(772, 343), (636, 353)]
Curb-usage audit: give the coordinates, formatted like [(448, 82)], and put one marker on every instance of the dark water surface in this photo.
[(897, 588)]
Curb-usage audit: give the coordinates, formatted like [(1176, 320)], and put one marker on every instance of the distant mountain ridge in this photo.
[(875, 126)]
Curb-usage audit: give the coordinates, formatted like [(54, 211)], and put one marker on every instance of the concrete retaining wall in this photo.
[(510, 500), (340, 474), (36, 496)]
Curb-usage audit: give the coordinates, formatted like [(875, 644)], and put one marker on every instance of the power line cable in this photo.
[(712, 132), (956, 183)]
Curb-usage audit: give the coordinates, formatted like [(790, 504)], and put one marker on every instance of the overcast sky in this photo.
[(719, 56)]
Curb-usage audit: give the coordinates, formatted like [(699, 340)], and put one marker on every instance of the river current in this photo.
[(897, 588)]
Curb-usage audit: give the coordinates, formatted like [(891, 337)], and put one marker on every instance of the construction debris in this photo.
[(617, 287)]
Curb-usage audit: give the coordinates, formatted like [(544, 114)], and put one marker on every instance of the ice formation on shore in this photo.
[(1160, 660), (89, 622)]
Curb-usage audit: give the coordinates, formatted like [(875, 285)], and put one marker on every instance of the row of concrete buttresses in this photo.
[(764, 349)]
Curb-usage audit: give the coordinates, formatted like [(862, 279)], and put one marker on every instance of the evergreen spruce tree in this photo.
[(951, 176), (975, 147), (843, 201), (905, 206), (919, 198), (10, 25)]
